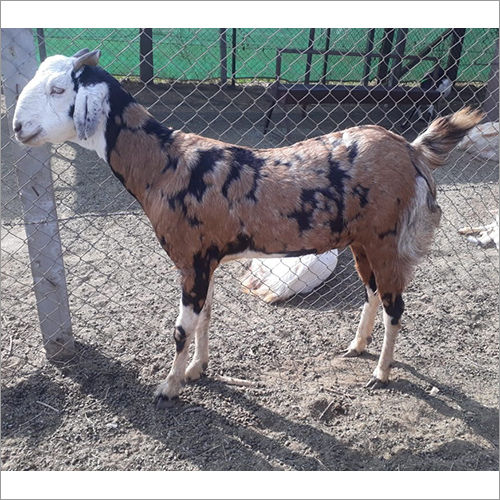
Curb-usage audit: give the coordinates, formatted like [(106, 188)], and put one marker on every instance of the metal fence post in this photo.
[(36, 191), (146, 65), (457, 43), (223, 55), (368, 58), (233, 58), (310, 46), (386, 49), (490, 106), (42, 49), (399, 52)]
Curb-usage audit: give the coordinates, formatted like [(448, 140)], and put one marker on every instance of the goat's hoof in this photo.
[(194, 371), (351, 353), (376, 383), (161, 402), (166, 393)]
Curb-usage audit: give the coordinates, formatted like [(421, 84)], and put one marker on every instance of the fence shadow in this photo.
[(25, 411)]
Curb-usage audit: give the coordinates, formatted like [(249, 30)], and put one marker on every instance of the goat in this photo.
[(210, 202), (485, 235), (275, 280), (482, 141), (434, 80)]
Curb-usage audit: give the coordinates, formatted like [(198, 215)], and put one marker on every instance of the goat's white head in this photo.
[(55, 106)]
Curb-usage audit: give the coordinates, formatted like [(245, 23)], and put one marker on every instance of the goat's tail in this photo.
[(443, 134)]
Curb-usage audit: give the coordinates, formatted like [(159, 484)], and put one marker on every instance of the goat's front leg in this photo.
[(194, 292), (200, 359)]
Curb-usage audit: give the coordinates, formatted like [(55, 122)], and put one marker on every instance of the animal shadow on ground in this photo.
[(213, 439), (483, 420)]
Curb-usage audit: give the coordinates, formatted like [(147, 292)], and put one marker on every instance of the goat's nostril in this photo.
[(17, 126)]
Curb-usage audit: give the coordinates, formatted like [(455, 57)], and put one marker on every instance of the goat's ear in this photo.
[(89, 109), (81, 52), (86, 59)]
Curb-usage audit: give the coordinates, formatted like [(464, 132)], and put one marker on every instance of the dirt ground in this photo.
[(307, 408)]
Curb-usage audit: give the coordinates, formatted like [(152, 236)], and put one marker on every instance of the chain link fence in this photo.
[(260, 88)]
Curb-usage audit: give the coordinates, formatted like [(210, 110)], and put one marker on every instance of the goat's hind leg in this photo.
[(391, 280), (393, 309), (370, 307)]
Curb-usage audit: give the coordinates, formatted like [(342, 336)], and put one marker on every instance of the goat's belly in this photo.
[(252, 254)]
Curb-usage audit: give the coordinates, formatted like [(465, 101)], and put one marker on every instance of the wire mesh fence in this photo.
[(254, 87), (195, 54)]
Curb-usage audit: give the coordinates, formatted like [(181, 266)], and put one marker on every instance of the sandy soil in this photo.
[(309, 409)]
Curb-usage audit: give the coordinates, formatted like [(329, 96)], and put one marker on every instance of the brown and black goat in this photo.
[(210, 202)]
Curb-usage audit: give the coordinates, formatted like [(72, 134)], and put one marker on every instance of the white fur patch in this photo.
[(417, 225), (95, 99), (347, 139), (187, 318), (387, 355), (367, 321)]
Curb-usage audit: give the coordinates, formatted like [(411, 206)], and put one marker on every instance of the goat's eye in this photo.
[(56, 90)]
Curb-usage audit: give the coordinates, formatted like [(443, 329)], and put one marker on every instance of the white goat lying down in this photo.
[(485, 235), (482, 141), (275, 279), (210, 202)]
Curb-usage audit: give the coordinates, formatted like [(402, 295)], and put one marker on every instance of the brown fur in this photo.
[(135, 116), (382, 169)]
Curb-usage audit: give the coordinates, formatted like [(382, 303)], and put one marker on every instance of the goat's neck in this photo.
[(137, 149)]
